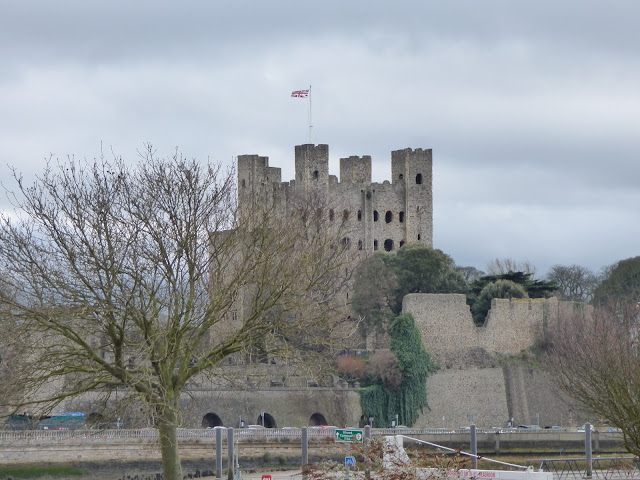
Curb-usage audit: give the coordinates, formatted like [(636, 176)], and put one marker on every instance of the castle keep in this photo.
[(378, 216)]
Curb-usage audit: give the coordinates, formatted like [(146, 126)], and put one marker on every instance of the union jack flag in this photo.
[(300, 93)]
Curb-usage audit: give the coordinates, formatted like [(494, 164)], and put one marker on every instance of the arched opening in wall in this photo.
[(315, 174), (269, 421), (388, 245), (317, 419), (359, 244), (345, 215), (375, 244), (331, 215), (243, 183), (359, 215), (419, 179), (375, 215), (388, 216), (402, 242), (401, 217), (211, 420)]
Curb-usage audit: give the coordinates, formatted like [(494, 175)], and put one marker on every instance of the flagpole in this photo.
[(310, 124)]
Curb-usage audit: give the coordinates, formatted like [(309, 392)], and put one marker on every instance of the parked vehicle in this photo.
[(63, 421), (530, 427), (582, 428), (21, 422)]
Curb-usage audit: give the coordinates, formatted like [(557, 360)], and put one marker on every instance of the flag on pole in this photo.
[(300, 93)]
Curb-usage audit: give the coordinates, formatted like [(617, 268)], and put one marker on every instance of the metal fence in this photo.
[(264, 434), (603, 468)]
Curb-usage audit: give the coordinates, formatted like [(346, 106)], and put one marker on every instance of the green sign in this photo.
[(349, 436)]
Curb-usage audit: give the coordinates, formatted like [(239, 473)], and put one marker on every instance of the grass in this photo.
[(36, 471)]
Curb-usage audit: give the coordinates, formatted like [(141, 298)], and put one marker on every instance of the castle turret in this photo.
[(312, 166), (255, 181), (414, 169), (355, 169)]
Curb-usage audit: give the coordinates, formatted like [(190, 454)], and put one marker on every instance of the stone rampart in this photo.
[(450, 336)]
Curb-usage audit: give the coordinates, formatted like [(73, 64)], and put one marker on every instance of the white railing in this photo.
[(248, 434)]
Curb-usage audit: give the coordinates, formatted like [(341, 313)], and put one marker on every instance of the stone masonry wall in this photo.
[(452, 339)]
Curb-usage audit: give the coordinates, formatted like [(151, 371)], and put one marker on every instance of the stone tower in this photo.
[(378, 216)]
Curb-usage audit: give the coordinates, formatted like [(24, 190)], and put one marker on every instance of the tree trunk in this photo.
[(167, 425)]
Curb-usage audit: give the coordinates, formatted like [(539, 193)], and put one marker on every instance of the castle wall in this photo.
[(495, 395), (457, 394), (450, 336)]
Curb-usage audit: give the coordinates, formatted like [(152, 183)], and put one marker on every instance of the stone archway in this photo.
[(269, 421), (317, 419), (211, 420)]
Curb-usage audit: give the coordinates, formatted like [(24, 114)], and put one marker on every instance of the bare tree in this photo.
[(499, 266), (593, 354), (143, 278), (574, 281)]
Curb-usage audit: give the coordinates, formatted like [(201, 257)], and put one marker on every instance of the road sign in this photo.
[(349, 461), (349, 436)]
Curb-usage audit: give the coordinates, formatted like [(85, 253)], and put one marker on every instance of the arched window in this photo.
[(375, 215), (345, 215), (388, 216), (331, 215), (243, 183), (419, 179), (315, 174), (388, 245), (375, 244), (419, 237), (359, 215), (401, 217), (401, 177), (346, 242), (359, 244)]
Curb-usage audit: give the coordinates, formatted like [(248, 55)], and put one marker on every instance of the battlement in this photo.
[(381, 216)]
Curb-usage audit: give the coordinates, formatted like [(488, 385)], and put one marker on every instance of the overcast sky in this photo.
[(532, 109)]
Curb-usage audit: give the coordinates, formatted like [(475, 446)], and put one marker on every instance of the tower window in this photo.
[(359, 215), (401, 177), (315, 174), (401, 217), (359, 244), (243, 183), (388, 216), (345, 215), (331, 215), (419, 237), (375, 215), (375, 244), (419, 179), (346, 242), (388, 245)]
